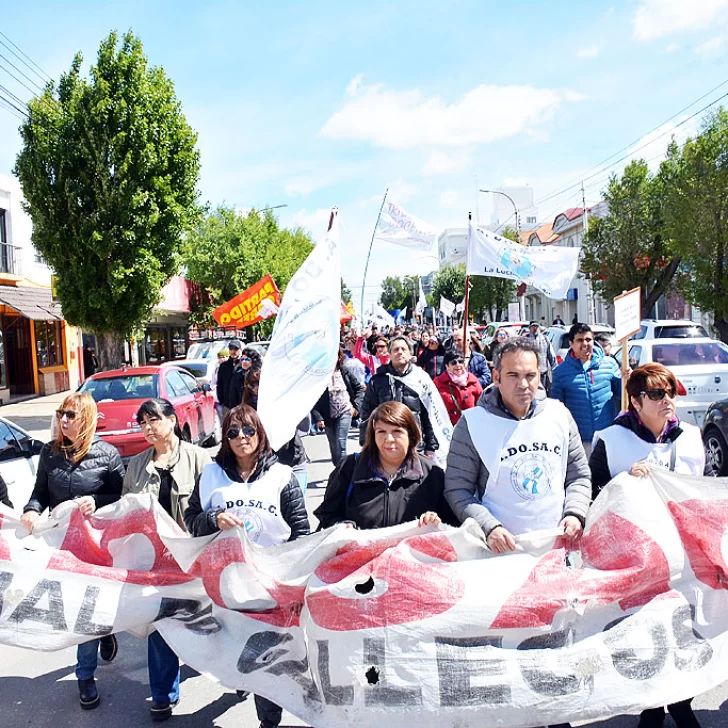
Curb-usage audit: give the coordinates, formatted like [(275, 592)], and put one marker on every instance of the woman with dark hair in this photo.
[(78, 466), (245, 472), (339, 403), (431, 359), (169, 469), (459, 388), (250, 359), (388, 482), (649, 435)]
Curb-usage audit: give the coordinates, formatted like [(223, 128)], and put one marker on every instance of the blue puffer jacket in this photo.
[(591, 392)]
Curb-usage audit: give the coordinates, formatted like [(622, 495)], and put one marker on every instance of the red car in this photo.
[(119, 394)]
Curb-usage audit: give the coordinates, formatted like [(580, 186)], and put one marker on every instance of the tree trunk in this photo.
[(722, 326), (110, 350)]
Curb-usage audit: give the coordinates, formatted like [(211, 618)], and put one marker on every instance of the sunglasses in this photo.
[(245, 358), (459, 360), (657, 394), (246, 431), (70, 414)]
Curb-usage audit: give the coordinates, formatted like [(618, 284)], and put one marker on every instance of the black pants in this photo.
[(269, 714)]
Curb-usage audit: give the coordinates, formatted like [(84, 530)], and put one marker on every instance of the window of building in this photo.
[(48, 343), (531, 220), (156, 344), (179, 341)]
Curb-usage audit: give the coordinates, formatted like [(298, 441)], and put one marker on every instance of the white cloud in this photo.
[(672, 48), (589, 52), (315, 221), (713, 46), (408, 119), (301, 187), (450, 198), (515, 182), (658, 18), (439, 163), (401, 191)]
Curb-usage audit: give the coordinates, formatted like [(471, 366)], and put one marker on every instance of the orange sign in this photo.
[(250, 306), (347, 312)]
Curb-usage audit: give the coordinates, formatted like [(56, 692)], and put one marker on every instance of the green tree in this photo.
[(345, 292), (228, 252), (449, 282), (109, 168), (396, 293), (697, 217), (628, 247)]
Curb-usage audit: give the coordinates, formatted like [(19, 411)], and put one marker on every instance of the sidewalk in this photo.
[(34, 415)]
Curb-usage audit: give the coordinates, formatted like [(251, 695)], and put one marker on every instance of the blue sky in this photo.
[(321, 103)]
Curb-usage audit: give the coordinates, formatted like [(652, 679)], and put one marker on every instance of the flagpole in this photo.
[(466, 343), (371, 245)]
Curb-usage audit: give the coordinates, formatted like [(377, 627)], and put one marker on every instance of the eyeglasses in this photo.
[(70, 414), (246, 431), (657, 394)]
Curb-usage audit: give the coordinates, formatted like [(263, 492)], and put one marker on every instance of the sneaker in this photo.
[(88, 694), (108, 647), (162, 710)]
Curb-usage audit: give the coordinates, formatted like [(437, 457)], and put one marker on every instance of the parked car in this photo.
[(559, 338), (207, 349), (200, 369), (670, 329), (701, 366), (119, 394), (715, 437), (18, 462)]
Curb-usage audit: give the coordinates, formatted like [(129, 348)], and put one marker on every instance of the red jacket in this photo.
[(457, 398)]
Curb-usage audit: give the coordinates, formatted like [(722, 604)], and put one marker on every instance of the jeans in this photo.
[(163, 666), (302, 477), (337, 432), (87, 659), (269, 714)]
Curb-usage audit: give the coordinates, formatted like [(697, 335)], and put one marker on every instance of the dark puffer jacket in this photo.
[(100, 474), (387, 386), (293, 506), (355, 390), (356, 492)]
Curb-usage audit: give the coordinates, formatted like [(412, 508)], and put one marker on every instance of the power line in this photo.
[(24, 75), (9, 103), (25, 55)]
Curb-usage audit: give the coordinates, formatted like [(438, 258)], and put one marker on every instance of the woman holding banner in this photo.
[(247, 487), (650, 435), (169, 470), (78, 466)]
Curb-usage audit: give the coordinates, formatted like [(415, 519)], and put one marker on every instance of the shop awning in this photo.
[(36, 304)]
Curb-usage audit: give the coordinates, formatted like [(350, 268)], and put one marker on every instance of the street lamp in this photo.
[(266, 209)]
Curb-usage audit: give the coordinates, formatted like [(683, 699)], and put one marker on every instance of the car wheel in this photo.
[(216, 436), (716, 451), (186, 435)]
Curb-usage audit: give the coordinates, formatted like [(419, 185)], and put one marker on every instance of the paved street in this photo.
[(38, 688)]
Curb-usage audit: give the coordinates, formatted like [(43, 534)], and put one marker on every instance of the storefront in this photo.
[(165, 337)]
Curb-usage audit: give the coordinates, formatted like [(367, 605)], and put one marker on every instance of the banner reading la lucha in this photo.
[(245, 309), (403, 625)]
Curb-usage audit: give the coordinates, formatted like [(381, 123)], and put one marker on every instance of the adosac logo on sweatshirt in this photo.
[(531, 477)]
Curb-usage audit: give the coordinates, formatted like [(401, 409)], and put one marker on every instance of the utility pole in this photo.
[(591, 304)]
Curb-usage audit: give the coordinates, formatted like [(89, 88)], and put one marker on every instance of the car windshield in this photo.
[(680, 332), (133, 386), (700, 354), (200, 350)]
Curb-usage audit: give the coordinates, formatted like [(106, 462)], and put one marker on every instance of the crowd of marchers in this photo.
[(531, 446)]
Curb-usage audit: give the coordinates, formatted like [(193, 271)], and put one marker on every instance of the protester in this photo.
[(225, 373), (246, 471), (292, 453), (169, 470), (372, 361), (558, 321), (402, 381), (388, 482), (500, 336), (78, 466), (354, 365), (649, 435), (477, 363), (90, 362), (248, 358), (431, 358), (459, 388), (605, 341), (488, 476), (371, 336), (546, 359), (339, 403), (588, 383), (222, 356)]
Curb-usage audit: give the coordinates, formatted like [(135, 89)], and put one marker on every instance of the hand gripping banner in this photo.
[(405, 624)]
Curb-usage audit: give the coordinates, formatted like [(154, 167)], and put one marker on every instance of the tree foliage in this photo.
[(697, 217), (228, 252), (449, 282), (345, 292), (629, 248), (109, 168), (397, 292)]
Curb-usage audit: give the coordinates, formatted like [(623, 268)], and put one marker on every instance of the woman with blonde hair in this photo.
[(78, 466)]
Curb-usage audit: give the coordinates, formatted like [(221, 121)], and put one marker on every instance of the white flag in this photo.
[(550, 268), (305, 342), (447, 307), (395, 225), (421, 301), (403, 314), (461, 306), (382, 316)]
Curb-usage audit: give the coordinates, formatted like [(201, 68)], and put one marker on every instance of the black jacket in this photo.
[(293, 505), (100, 474), (356, 492), (235, 390), (224, 380), (293, 453), (387, 386), (355, 389), (433, 362), (4, 497)]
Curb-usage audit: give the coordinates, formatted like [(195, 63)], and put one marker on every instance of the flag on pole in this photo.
[(395, 225), (447, 307), (550, 268), (305, 342), (461, 306), (421, 301), (403, 314), (382, 316)]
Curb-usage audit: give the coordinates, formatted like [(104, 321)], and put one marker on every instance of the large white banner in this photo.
[(396, 225), (550, 268), (447, 307), (403, 625), (305, 342)]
